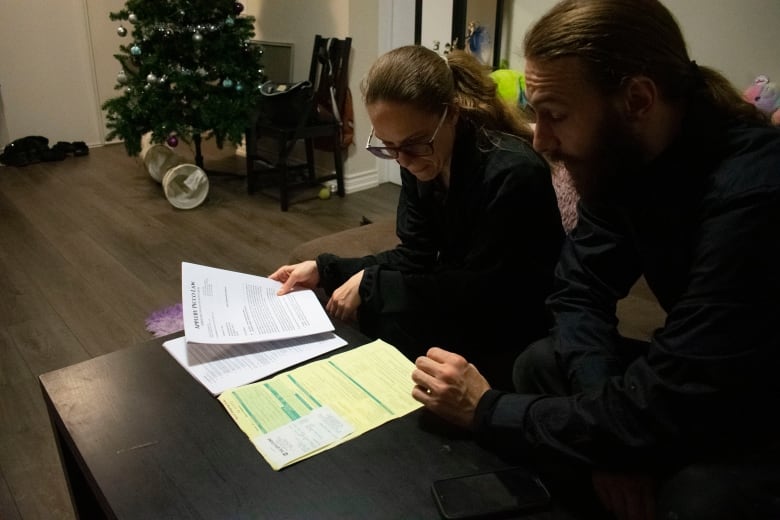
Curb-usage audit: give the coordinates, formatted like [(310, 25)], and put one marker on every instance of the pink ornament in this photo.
[(172, 141)]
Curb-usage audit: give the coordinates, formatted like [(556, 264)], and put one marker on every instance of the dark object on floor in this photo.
[(80, 148), (76, 148), (364, 220), (35, 148), (24, 151), (63, 146)]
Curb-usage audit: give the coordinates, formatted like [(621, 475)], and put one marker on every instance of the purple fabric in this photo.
[(165, 321)]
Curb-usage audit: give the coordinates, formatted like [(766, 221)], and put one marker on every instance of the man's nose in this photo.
[(544, 140)]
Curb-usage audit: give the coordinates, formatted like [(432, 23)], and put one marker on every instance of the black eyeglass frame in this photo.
[(392, 152)]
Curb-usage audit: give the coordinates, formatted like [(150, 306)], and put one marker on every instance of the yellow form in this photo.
[(321, 404)]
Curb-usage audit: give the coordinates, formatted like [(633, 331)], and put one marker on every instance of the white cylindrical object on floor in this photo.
[(185, 186), (159, 158)]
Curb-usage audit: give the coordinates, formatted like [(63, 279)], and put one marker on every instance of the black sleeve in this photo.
[(710, 375), (597, 267), (503, 237)]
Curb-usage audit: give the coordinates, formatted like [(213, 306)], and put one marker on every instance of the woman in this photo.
[(477, 219)]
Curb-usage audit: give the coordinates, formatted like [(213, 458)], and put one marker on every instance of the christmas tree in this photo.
[(190, 71)]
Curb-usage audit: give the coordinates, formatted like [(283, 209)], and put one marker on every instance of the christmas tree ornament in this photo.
[(197, 37), (121, 78), (151, 78), (227, 82), (239, 86), (135, 50), (132, 17), (121, 31), (172, 141), (229, 21), (238, 8)]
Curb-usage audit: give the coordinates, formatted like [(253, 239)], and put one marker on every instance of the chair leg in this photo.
[(281, 166), (310, 167), (339, 164), (251, 151)]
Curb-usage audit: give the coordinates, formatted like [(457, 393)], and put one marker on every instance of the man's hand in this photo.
[(344, 302), (628, 496), (448, 385), (304, 274)]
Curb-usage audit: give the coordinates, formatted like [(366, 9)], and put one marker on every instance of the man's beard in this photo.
[(616, 153)]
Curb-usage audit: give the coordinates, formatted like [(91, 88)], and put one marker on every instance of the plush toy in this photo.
[(765, 95)]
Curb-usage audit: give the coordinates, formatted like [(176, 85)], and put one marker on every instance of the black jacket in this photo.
[(475, 263), (701, 224)]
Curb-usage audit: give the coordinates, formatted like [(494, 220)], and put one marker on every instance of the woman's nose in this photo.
[(404, 160)]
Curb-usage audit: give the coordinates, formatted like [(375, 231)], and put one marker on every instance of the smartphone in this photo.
[(493, 494)]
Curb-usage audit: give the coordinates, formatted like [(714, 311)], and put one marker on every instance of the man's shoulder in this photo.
[(750, 161)]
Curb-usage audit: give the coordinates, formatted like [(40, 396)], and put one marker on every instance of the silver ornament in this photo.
[(121, 31), (197, 37), (151, 78), (121, 78), (133, 18)]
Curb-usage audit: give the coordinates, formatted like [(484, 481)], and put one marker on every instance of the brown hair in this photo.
[(419, 76), (617, 39)]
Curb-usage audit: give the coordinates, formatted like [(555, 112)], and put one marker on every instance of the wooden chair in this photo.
[(328, 74)]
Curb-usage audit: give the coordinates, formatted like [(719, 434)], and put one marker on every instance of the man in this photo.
[(679, 181)]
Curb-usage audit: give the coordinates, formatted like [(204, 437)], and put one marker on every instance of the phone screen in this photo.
[(491, 494)]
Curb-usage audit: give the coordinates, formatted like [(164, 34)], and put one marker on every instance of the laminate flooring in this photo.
[(89, 246)]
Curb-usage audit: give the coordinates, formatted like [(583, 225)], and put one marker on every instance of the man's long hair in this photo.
[(619, 39)]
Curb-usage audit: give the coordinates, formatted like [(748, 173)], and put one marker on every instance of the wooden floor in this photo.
[(88, 248)]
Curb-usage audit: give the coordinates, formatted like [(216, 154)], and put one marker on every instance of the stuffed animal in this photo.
[(765, 95)]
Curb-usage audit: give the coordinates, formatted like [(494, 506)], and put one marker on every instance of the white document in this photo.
[(222, 306), (302, 437), (222, 367)]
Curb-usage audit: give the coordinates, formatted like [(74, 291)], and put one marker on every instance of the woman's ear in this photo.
[(640, 96)]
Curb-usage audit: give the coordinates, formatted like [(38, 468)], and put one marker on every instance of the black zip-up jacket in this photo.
[(702, 224), (494, 236)]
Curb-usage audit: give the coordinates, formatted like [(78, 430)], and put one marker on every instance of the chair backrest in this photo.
[(329, 71)]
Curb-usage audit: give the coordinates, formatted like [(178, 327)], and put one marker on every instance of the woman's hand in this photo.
[(448, 385), (304, 274), (345, 300)]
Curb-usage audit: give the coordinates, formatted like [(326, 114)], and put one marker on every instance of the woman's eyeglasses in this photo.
[(411, 149)]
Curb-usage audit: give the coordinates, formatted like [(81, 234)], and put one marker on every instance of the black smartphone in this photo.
[(493, 494)]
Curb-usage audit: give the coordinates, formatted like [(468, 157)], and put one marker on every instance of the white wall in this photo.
[(738, 38), (58, 67), (46, 78)]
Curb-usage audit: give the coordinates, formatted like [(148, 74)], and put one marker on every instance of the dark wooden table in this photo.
[(141, 438)]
